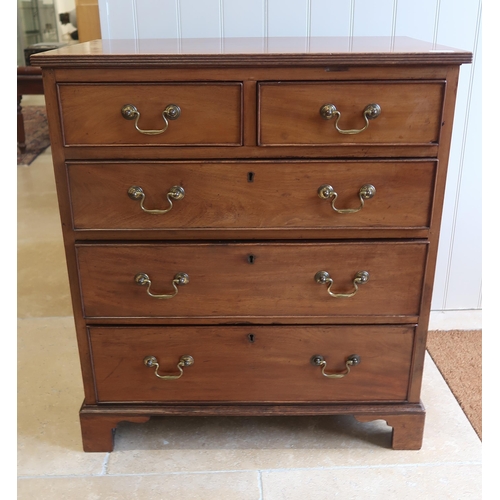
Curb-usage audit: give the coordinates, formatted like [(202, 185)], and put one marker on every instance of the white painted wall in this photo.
[(456, 23)]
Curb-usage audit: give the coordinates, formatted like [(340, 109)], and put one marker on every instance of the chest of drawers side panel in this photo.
[(443, 157)]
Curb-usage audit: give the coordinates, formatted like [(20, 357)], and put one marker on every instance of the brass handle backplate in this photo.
[(329, 111), (174, 193), (360, 278), (171, 112), (366, 192), (152, 362), (352, 360), (179, 279)]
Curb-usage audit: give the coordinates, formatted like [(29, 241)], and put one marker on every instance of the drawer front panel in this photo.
[(251, 195), (245, 364), (210, 114), (245, 280), (410, 113)]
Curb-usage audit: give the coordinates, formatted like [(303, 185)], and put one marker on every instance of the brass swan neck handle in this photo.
[(329, 111)]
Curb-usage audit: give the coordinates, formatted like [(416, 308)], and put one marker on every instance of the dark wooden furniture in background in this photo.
[(29, 82), (237, 245)]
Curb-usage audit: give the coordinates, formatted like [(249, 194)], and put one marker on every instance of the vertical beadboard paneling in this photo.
[(120, 21), (373, 18), (416, 19), (157, 19), (200, 19), (330, 17), (456, 27), (288, 17), (243, 18), (465, 257), (104, 19)]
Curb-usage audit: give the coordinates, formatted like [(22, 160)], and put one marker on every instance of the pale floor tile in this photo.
[(33, 100), (440, 481), (42, 280), (221, 486), (50, 394)]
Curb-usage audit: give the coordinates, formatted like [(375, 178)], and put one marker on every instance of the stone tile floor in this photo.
[(202, 458)]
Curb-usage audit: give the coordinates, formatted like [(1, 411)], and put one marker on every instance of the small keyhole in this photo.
[(250, 176), (251, 337), (251, 259)]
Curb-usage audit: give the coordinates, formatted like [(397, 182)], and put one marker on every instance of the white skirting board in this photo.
[(465, 319)]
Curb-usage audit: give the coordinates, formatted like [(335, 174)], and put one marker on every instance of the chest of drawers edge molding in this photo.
[(94, 67)]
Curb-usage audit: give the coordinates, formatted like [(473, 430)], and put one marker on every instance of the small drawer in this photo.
[(188, 114), (251, 280), (251, 364), (280, 195), (409, 112)]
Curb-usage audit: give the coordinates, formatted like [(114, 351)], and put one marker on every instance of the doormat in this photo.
[(458, 356)]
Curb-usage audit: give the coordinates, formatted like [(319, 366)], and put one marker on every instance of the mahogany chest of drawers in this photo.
[(251, 226)]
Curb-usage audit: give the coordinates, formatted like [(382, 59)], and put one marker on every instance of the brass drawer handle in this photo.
[(366, 192), (328, 111), (171, 112), (352, 360), (179, 279), (360, 278), (175, 193), (151, 362)]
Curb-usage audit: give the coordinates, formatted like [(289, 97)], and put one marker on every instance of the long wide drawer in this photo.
[(246, 364), (206, 114), (245, 280), (409, 113), (283, 195)]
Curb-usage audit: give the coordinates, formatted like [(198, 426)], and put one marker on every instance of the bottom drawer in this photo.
[(251, 364)]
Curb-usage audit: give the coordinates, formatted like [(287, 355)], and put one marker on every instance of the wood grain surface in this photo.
[(257, 195), (274, 366), (210, 114), (410, 112), (244, 279)]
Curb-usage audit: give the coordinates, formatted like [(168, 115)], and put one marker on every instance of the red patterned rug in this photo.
[(37, 134)]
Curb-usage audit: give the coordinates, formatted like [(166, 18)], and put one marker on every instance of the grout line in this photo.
[(45, 317), (261, 488), (260, 471), (104, 471)]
